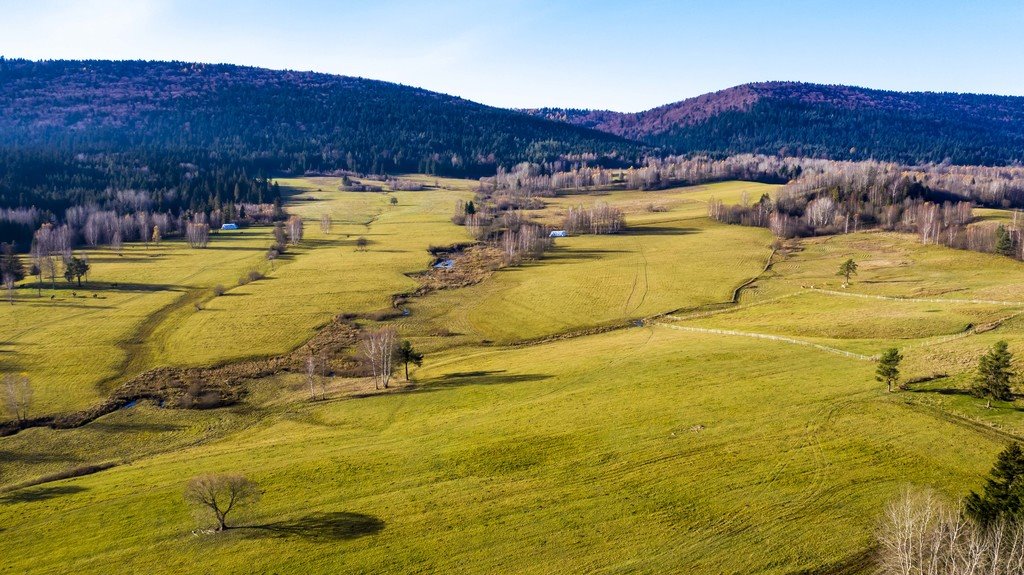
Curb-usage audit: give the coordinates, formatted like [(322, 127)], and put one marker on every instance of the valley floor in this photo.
[(608, 408)]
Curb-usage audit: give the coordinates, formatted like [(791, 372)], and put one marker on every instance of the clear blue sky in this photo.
[(623, 56)]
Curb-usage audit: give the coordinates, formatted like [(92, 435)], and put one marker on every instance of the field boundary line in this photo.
[(778, 338), (703, 314), (916, 300)]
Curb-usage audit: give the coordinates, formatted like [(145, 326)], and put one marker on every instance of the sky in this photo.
[(625, 56)]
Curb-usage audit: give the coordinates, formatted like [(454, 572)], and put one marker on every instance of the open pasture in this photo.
[(640, 449)]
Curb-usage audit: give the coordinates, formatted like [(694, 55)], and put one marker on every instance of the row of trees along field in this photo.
[(936, 204), (501, 218), (998, 186), (994, 377)]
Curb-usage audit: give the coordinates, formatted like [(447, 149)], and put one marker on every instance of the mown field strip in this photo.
[(918, 300), (777, 338)]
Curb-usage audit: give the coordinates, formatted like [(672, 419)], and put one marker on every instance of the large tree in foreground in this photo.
[(221, 493), (995, 373)]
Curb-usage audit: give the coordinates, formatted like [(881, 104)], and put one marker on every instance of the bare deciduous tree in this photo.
[(294, 228), (921, 535), (325, 223), (378, 348), (17, 395), (197, 232), (220, 494), (316, 376)]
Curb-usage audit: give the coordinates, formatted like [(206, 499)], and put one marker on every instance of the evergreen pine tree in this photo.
[(888, 371), (1004, 242), (1002, 493), (408, 355), (995, 372)]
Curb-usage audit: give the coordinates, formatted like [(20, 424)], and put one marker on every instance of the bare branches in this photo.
[(921, 535), (197, 232), (220, 494), (295, 229), (597, 219), (17, 395), (316, 376), (378, 347)]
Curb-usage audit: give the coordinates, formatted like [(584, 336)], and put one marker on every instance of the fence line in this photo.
[(918, 300), (778, 338)]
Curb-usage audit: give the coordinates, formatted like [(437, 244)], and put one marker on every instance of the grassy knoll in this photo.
[(897, 265)]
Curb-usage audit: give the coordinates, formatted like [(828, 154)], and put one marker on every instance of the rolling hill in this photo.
[(836, 122), (199, 134)]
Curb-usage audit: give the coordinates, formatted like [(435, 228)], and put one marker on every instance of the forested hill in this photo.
[(76, 127), (837, 122)]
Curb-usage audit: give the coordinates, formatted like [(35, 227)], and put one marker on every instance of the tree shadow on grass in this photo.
[(35, 457), (939, 390), (488, 377), (568, 255), (659, 231), (134, 426), (329, 526), (40, 493)]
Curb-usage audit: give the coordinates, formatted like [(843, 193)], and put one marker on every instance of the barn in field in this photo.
[(229, 227)]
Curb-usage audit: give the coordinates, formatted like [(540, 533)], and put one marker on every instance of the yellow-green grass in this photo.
[(896, 265), (640, 450), (993, 215), (645, 449), (654, 206), (324, 276), (76, 348), (814, 314), (679, 261), (69, 345)]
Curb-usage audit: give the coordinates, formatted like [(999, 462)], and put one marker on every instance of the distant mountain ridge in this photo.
[(279, 118), (829, 121)]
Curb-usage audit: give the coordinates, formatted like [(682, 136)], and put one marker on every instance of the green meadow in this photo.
[(690, 433)]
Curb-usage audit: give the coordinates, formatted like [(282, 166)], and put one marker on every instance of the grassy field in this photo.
[(137, 311), (75, 342), (661, 447)]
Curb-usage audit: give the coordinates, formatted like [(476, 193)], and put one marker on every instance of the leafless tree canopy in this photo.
[(221, 493), (17, 395), (316, 376), (294, 229), (197, 232), (378, 347), (325, 223), (597, 219), (921, 535)]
